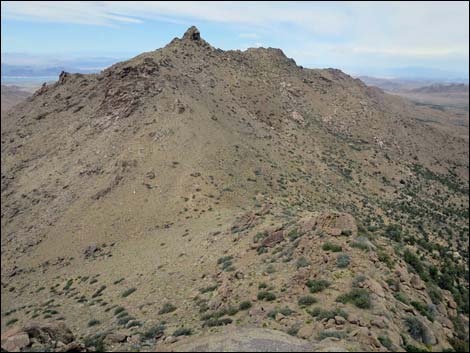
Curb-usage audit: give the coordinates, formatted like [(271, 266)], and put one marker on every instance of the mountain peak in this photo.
[(192, 33)]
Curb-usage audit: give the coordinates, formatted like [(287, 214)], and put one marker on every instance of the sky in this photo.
[(358, 37)]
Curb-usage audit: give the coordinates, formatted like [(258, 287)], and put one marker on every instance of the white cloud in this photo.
[(409, 29)]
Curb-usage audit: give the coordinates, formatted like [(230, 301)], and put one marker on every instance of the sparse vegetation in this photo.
[(267, 296), (306, 300), (93, 322), (128, 292), (167, 308), (358, 296), (182, 332), (245, 305), (343, 261), (317, 285), (332, 247)]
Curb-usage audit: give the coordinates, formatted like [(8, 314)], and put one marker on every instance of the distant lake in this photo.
[(19, 80)]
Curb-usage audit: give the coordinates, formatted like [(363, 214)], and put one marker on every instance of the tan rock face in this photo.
[(273, 238), (334, 224), (16, 343), (417, 283)]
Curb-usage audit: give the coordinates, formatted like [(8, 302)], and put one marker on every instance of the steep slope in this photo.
[(127, 188), (12, 95)]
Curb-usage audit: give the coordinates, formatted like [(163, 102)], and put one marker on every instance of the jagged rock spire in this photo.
[(192, 33)]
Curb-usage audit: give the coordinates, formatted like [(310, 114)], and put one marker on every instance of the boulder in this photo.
[(305, 331), (46, 332), (15, 343), (417, 283), (273, 238)]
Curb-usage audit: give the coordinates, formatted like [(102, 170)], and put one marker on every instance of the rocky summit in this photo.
[(191, 194)]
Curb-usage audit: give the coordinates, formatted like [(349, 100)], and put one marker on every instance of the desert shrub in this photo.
[(118, 281), (415, 263), (293, 235), (262, 250), (386, 342), (415, 328), (385, 258), (262, 285), (435, 294), (358, 296), (401, 297), (155, 331), (122, 314), (286, 311), (259, 236), (317, 285), (302, 262), (217, 322), (182, 331), (11, 322), (208, 289), (68, 284), (270, 269), (346, 232), (95, 341), (167, 308), (245, 305), (134, 323), (224, 259), (124, 320), (425, 310), (267, 296), (307, 300), (231, 310), (128, 292), (99, 291), (331, 247), (393, 231), (361, 245), (293, 330), (343, 261), (327, 314), (93, 322)]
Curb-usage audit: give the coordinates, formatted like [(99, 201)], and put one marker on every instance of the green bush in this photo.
[(401, 297), (217, 322), (245, 305), (93, 322), (267, 296), (11, 322), (286, 311), (182, 332), (154, 332), (208, 289), (167, 308), (293, 235), (331, 247), (386, 342), (425, 310), (393, 231), (327, 314), (307, 300), (358, 296), (128, 292), (416, 328), (302, 262), (317, 285), (343, 261)]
